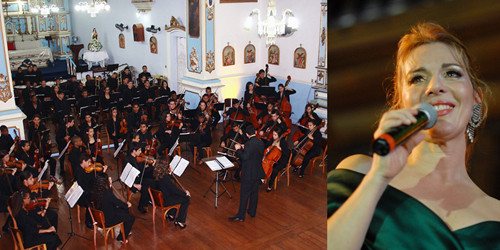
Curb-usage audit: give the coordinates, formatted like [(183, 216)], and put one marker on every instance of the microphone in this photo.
[(426, 118)]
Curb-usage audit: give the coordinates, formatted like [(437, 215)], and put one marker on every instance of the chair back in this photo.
[(97, 217), (156, 197)]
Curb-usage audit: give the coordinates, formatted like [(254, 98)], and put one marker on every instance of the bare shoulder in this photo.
[(358, 163)]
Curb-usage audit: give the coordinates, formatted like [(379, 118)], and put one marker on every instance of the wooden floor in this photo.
[(291, 217)]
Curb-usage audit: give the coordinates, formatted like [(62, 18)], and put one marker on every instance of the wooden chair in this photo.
[(157, 199), (287, 169), (98, 221), (208, 152), (321, 158), (19, 243)]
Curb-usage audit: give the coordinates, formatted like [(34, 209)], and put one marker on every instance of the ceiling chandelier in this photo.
[(44, 10), (271, 27), (93, 7)]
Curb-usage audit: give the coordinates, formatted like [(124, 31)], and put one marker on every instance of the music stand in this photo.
[(219, 106), (216, 164), (117, 152), (265, 91), (188, 137), (72, 196)]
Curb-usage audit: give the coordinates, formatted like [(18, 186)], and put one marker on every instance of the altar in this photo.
[(99, 57)]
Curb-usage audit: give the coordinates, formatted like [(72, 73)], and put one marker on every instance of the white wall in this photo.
[(123, 11)]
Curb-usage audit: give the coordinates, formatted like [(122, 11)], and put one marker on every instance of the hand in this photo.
[(150, 100), (113, 134), (51, 184), (93, 158), (295, 143), (188, 193), (51, 229), (98, 140), (36, 151), (66, 137), (42, 160), (248, 105), (259, 121), (261, 133), (138, 186), (154, 162), (237, 146), (14, 171), (23, 166), (168, 131), (129, 204), (224, 114), (48, 199), (390, 165), (49, 141), (310, 137), (223, 144), (104, 168)]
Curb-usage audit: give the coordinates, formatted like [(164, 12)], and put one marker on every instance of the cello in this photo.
[(253, 111), (303, 122), (236, 116), (302, 148), (271, 155)]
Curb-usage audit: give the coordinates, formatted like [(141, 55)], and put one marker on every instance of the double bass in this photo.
[(271, 155), (236, 116), (284, 106)]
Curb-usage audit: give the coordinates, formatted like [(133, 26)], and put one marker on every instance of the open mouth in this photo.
[(443, 108)]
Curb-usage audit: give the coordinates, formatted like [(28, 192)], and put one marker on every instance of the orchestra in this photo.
[(151, 121)]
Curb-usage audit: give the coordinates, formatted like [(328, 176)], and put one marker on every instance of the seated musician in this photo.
[(127, 74), (171, 193), (33, 233), (262, 80), (85, 176), (44, 90), (211, 115), (113, 82), (105, 99), (84, 100), (204, 136), (173, 107), (147, 97), (123, 85), (38, 135), (8, 184), (93, 145), (72, 86), (79, 90), (38, 74), (64, 134), (314, 151), (236, 108), (26, 180), (249, 93), (29, 75), (6, 140), (225, 140), (76, 151), (89, 122), (211, 96), (145, 136), (61, 107), (278, 141), (168, 132), (26, 155), (276, 121), (309, 114), (134, 119), (265, 115), (144, 179), (140, 82), (129, 93), (115, 210), (164, 89), (113, 127), (25, 93), (144, 73), (90, 84), (33, 107), (19, 77)]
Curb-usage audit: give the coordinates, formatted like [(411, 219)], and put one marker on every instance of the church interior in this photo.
[(174, 80)]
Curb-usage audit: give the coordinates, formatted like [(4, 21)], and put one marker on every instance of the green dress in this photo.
[(402, 222)]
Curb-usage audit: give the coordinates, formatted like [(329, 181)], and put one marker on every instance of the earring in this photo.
[(474, 121)]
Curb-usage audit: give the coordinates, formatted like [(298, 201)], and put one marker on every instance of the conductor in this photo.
[(250, 155)]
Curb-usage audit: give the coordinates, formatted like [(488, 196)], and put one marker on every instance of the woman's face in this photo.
[(56, 89), (250, 86), (433, 73), (275, 135), (202, 105)]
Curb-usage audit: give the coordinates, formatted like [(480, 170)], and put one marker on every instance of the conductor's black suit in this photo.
[(251, 174)]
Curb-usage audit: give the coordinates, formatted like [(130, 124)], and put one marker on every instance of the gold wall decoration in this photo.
[(5, 93), (210, 9), (194, 61), (174, 24), (210, 62)]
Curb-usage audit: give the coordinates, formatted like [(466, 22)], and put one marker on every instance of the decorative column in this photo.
[(10, 115)]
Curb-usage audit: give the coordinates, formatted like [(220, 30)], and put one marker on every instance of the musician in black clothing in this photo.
[(147, 97), (171, 194), (38, 74), (144, 135), (113, 82), (113, 127), (211, 114), (249, 93), (140, 82), (86, 181), (129, 93), (262, 80), (126, 74), (93, 144), (236, 129), (19, 77), (30, 75), (33, 107), (90, 84), (33, 233), (145, 73), (285, 155), (284, 92), (134, 119), (24, 154), (38, 134), (115, 210), (89, 122), (61, 107), (26, 180), (72, 86), (84, 100), (316, 148), (203, 138), (275, 121), (64, 133), (250, 155), (106, 99), (6, 140), (168, 132), (79, 91), (27, 92), (144, 179), (75, 153), (8, 185), (236, 107), (164, 89), (44, 90)]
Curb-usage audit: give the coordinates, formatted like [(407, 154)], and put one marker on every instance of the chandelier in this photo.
[(35, 7), (93, 7), (271, 27)]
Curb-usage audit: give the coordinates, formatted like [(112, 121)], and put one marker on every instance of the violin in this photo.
[(39, 185), (4, 171), (152, 146), (144, 158), (123, 127), (13, 163), (96, 167), (38, 203)]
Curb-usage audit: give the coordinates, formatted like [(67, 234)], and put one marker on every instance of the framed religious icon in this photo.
[(153, 45), (194, 18), (273, 55), (299, 58), (121, 40), (249, 53), (138, 31), (228, 56)]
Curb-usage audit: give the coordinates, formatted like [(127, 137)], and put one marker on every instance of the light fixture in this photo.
[(44, 10), (93, 7), (271, 27), (152, 29), (121, 26)]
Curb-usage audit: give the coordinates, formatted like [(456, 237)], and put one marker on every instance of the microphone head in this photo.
[(430, 112)]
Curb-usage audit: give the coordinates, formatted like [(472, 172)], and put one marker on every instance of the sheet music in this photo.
[(225, 162), (213, 165), (173, 147), (64, 150), (43, 170), (119, 148), (129, 174), (187, 133), (12, 148), (73, 194), (179, 164)]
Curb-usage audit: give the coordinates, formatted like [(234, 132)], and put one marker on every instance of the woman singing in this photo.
[(171, 194), (115, 210), (420, 195)]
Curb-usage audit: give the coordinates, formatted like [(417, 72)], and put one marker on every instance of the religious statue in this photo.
[(94, 44)]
